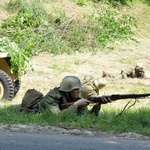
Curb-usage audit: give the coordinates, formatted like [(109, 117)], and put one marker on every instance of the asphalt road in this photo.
[(45, 141)]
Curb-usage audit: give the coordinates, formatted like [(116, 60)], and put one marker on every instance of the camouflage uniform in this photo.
[(54, 98)]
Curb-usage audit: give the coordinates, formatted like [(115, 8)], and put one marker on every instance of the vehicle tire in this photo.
[(6, 86), (17, 85)]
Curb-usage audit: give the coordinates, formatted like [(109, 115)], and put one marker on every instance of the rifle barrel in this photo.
[(114, 97)]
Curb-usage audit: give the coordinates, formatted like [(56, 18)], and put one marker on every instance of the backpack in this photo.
[(30, 101)]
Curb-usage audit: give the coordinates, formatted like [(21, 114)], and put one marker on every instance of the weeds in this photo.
[(19, 61), (81, 2), (36, 33), (122, 2), (109, 26), (60, 68), (130, 121)]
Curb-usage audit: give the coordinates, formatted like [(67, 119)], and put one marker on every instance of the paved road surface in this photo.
[(43, 141)]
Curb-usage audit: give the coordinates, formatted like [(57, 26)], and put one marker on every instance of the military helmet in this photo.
[(70, 83), (139, 65), (99, 83)]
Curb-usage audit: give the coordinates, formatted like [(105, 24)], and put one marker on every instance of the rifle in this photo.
[(112, 97)]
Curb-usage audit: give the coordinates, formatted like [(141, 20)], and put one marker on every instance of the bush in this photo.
[(19, 61)]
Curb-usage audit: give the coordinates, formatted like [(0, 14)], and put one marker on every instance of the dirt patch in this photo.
[(3, 13), (56, 130)]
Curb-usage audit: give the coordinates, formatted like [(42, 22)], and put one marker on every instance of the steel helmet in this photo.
[(139, 65), (70, 83), (99, 83)]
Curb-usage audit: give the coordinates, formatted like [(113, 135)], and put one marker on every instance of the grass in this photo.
[(133, 120), (60, 67)]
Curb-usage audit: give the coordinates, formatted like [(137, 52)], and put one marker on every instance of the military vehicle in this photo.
[(9, 82)]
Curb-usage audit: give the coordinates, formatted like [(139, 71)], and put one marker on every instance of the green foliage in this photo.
[(146, 1), (21, 28), (35, 31), (102, 27), (133, 120), (109, 25), (19, 61), (81, 2), (75, 36), (21, 21), (123, 2), (32, 32), (28, 6)]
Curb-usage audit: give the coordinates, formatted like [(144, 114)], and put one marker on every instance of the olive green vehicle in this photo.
[(9, 82)]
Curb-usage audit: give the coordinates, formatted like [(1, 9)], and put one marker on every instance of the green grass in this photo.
[(60, 67), (133, 120)]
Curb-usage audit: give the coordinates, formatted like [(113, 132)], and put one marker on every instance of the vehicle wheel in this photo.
[(6, 86), (17, 85)]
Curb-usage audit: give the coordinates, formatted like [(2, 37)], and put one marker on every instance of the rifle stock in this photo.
[(113, 97)]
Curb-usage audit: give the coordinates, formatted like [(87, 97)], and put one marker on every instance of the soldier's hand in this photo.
[(82, 103), (104, 74), (106, 100)]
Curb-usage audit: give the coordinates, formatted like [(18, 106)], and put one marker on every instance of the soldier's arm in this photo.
[(88, 90), (48, 102)]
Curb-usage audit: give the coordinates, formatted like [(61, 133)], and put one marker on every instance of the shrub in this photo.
[(19, 61)]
